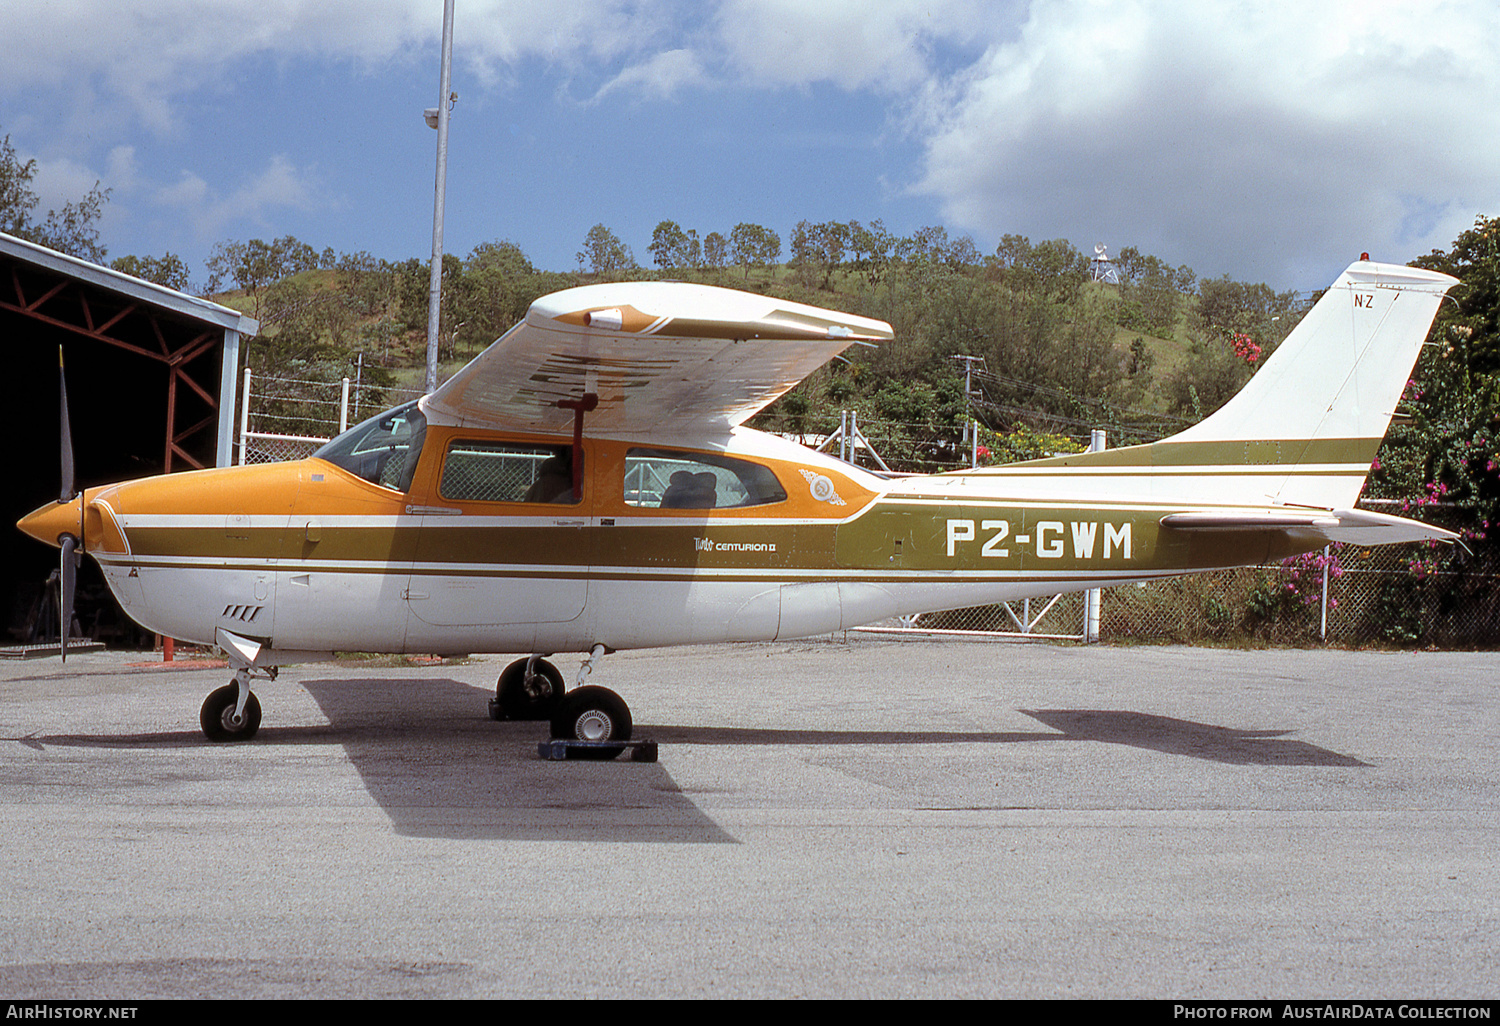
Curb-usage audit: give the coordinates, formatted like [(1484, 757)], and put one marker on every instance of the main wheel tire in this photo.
[(593, 713), (516, 698), (217, 715)]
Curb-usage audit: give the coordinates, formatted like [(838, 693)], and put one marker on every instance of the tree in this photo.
[(168, 270), (872, 248), (496, 287), (753, 245), (1054, 268), (604, 253), (1149, 297), (1474, 260), (818, 250), (669, 245), (72, 230), (1445, 453), (1209, 378), (501, 257), (715, 251), (256, 265)]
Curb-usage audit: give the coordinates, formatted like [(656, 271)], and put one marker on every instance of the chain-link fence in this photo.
[(1401, 595), (290, 418), (1391, 595)]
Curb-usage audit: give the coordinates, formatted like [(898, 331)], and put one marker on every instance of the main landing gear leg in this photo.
[(593, 714), (587, 666), (528, 689)]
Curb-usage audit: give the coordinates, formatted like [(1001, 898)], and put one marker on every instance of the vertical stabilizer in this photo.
[(1326, 396)]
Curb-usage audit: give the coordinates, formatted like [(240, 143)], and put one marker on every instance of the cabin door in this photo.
[(504, 541)]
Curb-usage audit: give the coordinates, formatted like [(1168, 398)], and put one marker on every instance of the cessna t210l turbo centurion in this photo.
[(586, 484)]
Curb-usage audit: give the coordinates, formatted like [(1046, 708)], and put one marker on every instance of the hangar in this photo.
[(151, 390)]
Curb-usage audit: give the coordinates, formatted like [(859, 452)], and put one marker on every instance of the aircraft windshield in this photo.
[(383, 449)]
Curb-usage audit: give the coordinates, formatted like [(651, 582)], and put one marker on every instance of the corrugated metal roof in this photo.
[(126, 285)]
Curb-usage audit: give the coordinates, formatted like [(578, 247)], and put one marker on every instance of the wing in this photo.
[(660, 356), (1358, 527)]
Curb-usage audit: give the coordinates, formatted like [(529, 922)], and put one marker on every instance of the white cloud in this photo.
[(1261, 139), (153, 55), (885, 46), (61, 181), (658, 77), (121, 170), (146, 58), (1288, 135), (278, 186)]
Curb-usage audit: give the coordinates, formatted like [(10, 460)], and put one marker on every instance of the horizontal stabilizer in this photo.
[(1356, 527)]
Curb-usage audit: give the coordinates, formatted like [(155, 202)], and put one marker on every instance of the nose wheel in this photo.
[(224, 719), (232, 713)]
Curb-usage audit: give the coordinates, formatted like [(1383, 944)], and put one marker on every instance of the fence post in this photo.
[(1323, 631), (344, 408), (245, 417), (1091, 599)]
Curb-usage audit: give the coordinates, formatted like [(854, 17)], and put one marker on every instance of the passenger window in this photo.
[(669, 479), (508, 472)]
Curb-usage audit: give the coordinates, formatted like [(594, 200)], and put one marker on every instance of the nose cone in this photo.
[(50, 522)]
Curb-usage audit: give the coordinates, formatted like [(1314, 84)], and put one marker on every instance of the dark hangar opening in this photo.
[(144, 385)]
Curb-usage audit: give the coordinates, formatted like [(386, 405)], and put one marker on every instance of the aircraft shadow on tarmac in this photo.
[(428, 754), (438, 767), (1136, 729), (1184, 737)]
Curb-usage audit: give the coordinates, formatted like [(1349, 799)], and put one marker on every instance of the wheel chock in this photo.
[(558, 749)]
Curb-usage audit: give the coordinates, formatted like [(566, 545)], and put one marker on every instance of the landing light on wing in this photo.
[(604, 320)]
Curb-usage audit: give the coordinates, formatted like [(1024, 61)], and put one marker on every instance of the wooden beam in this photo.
[(46, 295), (78, 330)]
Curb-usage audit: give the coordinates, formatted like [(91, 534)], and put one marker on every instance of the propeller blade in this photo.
[(68, 491), (68, 584)]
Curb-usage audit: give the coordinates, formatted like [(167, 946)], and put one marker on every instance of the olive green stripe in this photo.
[(688, 575), (1242, 453), (799, 545)]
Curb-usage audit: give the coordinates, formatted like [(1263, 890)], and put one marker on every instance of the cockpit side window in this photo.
[(483, 471), (672, 479), (383, 450)]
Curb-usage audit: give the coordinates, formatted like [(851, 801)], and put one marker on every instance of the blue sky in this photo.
[(1271, 142)]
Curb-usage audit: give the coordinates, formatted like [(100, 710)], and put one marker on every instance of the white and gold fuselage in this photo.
[(306, 556), (329, 554)]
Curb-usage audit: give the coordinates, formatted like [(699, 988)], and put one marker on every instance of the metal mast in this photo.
[(973, 426), (439, 119)]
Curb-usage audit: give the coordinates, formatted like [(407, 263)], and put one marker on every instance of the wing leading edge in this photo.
[(661, 356)]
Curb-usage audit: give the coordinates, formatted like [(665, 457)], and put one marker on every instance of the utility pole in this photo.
[(439, 119), (1098, 442), (969, 362)]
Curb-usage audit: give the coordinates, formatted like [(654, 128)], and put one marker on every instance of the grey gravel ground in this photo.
[(860, 818)]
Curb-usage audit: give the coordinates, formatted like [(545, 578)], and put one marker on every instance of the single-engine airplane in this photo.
[(587, 484)]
